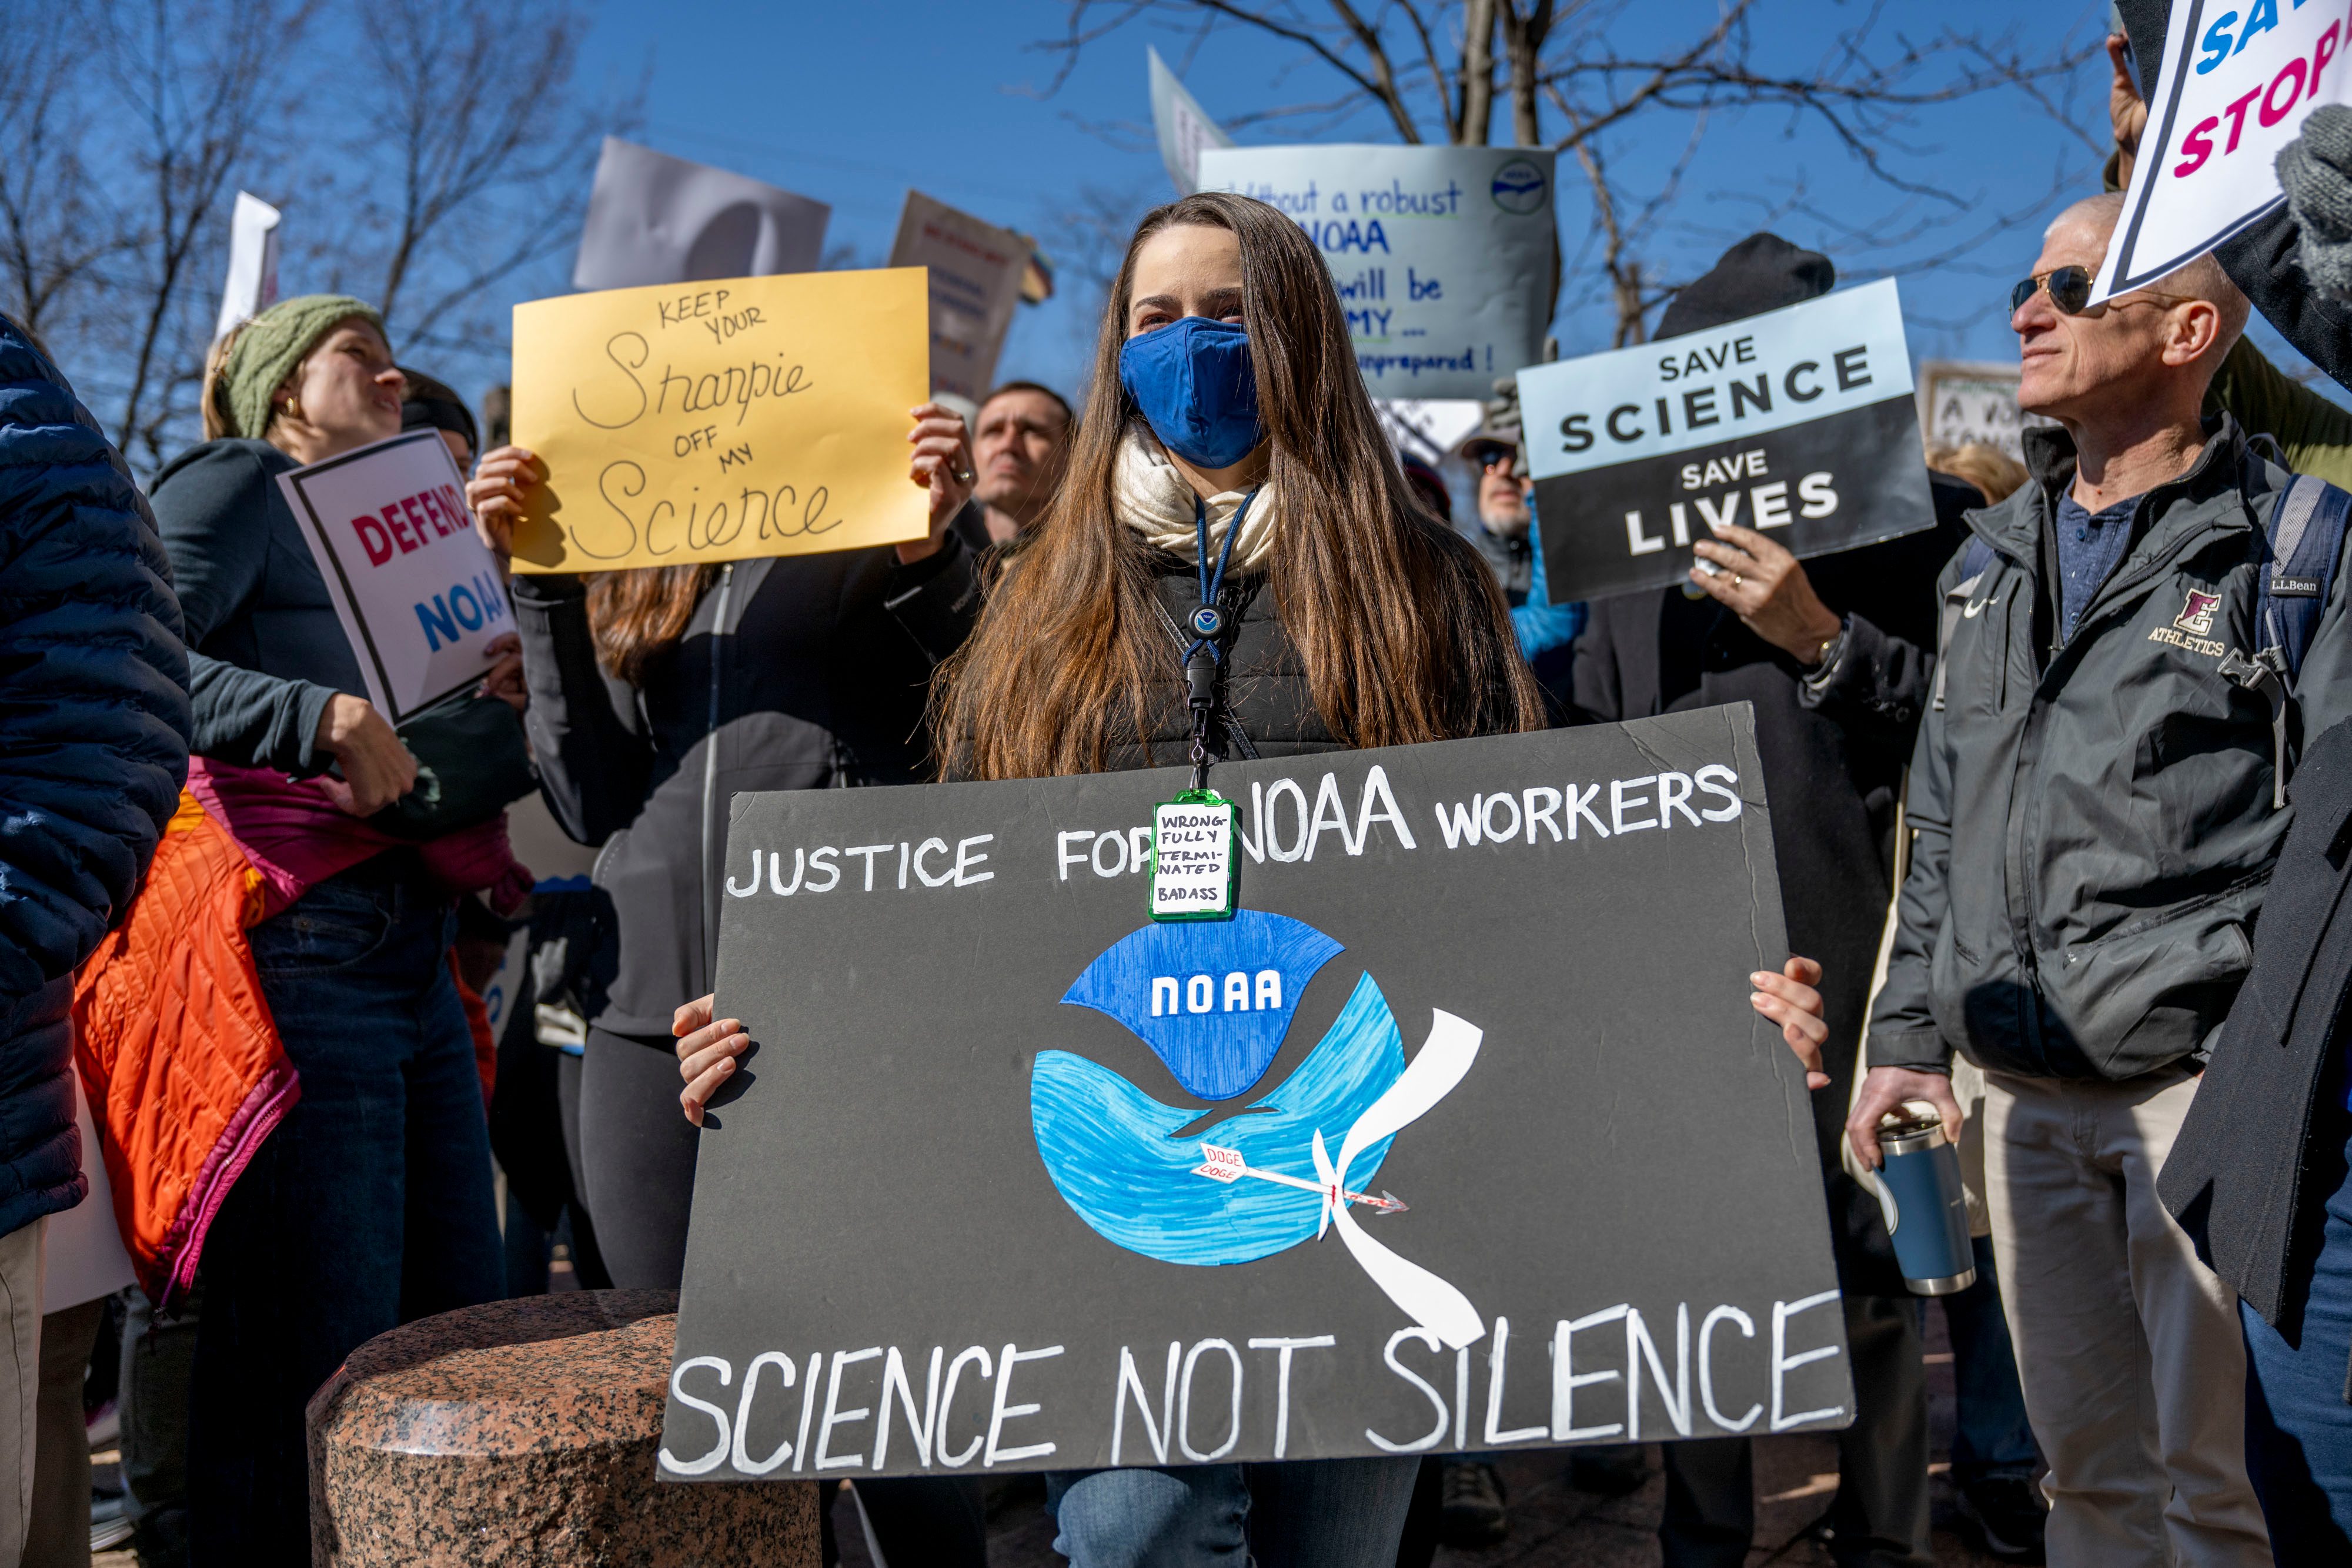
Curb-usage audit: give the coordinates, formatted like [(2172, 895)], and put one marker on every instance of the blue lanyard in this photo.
[(1208, 623)]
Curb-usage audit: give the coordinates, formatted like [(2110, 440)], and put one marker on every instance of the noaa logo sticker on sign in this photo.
[(1192, 858), (1518, 187)]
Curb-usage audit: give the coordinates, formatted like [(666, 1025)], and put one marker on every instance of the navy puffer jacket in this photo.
[(93, 745)]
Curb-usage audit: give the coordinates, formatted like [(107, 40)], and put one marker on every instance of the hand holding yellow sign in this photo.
[(720, 421)]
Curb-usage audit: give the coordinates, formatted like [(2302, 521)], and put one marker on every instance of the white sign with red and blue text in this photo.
[(419, 595), (2235, 84)]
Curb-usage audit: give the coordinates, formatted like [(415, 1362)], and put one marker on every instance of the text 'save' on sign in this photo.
[(419, 593), (1442, 255), (1798, 423), (721, 421), (1459, 1135), (2236, 83)]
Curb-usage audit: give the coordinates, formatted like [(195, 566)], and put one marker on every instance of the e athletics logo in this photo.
[(1518, 187), (2197, 616)]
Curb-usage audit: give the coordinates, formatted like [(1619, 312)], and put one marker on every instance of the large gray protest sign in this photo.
[(1798, 423), (1460, 1134), (1443, 255), (652, 218)]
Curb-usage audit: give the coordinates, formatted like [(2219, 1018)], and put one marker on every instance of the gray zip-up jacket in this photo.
[(2094, 822)]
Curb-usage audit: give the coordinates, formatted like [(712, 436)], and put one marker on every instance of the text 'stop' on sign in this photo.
[(2235, 84), (721, 421)]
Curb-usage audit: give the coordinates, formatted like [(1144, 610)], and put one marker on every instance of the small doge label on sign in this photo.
[(1191, 859)]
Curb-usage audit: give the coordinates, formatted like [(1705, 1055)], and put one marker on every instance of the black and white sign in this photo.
[(1459, 1135), (1798, 423), (420, 596)]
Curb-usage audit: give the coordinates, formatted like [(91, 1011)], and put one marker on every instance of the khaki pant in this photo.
[(20, 1382), (2128, 1347)]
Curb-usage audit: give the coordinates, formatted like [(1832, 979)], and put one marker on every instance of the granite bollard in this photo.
[(521, 1434)]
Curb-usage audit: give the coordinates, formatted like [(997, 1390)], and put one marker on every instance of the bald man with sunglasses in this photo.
[(2093, 800)]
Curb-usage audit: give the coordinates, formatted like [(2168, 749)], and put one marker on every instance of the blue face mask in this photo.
[(1194, 383)]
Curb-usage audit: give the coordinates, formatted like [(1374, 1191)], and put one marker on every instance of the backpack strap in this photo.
[(1973, 566), (2306, 535)]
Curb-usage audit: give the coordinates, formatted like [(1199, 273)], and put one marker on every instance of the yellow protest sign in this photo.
[(722, 420)]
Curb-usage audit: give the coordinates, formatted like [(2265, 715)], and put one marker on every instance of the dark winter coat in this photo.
[(1833, 752), (796, 673), (266, 648), (2262, 1148), (94, 684), (2095, 827)]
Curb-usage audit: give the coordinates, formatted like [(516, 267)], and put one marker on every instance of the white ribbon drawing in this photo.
[(1432, 1302)]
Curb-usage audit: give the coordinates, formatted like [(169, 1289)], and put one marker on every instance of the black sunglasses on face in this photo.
[(1492, 456), (2070, 290)]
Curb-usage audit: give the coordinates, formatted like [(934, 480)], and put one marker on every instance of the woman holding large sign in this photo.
[(370, 1202), (1235, 567), (659, 693)]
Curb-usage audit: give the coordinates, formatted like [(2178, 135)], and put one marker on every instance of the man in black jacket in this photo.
[(2093, 800), (94, 681), (1835, 655)]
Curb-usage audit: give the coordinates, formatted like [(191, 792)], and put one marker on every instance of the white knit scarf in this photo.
[(1151, 497)]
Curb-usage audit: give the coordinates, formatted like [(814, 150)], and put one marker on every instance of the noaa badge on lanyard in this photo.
[(1193, 866)]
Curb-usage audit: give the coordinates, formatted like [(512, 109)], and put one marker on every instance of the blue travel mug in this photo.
[(1926, 1211)]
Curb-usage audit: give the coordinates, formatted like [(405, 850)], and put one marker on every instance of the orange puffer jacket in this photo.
[(182, 1062)]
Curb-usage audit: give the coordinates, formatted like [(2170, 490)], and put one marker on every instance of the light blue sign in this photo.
[(1443, 255)]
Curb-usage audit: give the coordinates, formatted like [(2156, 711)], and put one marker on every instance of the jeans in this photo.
[(369, 1206), (1302, 1514), (1991, 1435), (158, 1361), (2298, 1426)]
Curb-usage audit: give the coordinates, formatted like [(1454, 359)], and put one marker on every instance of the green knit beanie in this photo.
[(271, 345)]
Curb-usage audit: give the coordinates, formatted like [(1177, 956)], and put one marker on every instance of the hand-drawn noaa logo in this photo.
[(1518, 187), (2197, 616), (1213, 1002)]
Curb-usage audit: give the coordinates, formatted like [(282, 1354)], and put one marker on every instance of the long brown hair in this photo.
[(637, 613), (1401, 628)]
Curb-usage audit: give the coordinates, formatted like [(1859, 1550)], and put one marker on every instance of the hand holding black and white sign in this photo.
[(1461, 1133), (1798, 423)]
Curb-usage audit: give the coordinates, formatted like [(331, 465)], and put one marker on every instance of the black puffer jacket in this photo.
[(2095, 828), (796, 673), (93, 751)]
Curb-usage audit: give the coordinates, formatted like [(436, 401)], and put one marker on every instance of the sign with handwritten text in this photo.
[(721, 421), (417, 592), (1458, 1134), (1443, 255)]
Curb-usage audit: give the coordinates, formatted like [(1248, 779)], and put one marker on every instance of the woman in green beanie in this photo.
[(371, 1202)]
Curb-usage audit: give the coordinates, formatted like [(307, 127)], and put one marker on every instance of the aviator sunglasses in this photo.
[(2069, 288)]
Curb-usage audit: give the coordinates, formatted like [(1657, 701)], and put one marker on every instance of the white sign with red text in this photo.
[(420, 596), (2236, 82)]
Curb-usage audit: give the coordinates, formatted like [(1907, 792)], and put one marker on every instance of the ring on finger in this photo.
[(1738, 581), (964, 475)]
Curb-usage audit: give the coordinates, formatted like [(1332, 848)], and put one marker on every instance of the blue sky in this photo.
[(852, 104)]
